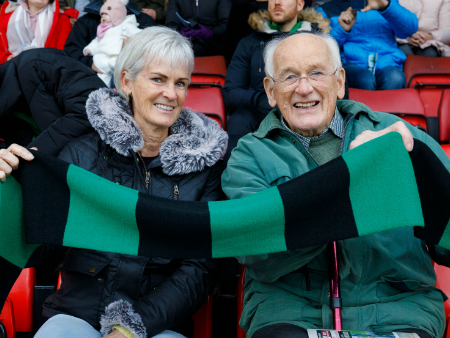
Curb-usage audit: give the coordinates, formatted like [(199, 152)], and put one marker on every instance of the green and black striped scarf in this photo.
[(376, 187)]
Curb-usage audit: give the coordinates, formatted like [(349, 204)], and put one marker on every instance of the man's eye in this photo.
[(290, 77), (316, 73)]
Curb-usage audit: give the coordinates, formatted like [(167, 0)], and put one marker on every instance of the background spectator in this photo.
[(85, 30), (433, 35), (105, 48), (19, 28), (244, 95), (372, 59), (208, 20), (155, 8)]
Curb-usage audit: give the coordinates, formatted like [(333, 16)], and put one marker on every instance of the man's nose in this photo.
[(303, 86)]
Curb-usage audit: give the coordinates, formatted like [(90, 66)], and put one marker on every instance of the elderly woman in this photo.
[(146, 141), (28, 24)]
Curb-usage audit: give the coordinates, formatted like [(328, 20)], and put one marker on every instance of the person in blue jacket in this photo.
[(372, 59)]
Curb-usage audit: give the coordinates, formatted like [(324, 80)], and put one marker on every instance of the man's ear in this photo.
[(341, 83), (269, 91), (300, 5)]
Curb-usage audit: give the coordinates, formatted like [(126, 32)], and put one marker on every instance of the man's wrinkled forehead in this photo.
[(301, 49)]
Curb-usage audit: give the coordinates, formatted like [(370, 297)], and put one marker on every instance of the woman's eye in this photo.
[(157, 80), (181, 84)]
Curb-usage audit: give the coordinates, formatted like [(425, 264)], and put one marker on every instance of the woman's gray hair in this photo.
[(153, 45), (270, 48)]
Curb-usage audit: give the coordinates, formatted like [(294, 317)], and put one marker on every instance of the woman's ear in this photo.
[(125, 83)]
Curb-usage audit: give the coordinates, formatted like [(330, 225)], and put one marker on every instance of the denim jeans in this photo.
[(64, 326), (386, 78)]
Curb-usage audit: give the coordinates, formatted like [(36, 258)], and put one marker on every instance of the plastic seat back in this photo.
[(207, 100), (203, 320), (240, 302), (209, 71), (429, 76), (7, 324), (21, 295), (405, 103), (444, 116)]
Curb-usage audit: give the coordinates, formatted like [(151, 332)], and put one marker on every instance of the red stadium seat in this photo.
[(7, 319), (21, 295), (446, 148), (443, 283), (404, 103), (209, 71), (203, 320), (240, 302), (207, 100), (429, 76), (444, 116)]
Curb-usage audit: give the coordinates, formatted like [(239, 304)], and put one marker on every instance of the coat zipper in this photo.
[(196, 4), (147, 172), (176, 192), (261, 47)]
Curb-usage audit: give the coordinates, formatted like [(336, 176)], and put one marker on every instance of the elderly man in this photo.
[(387, 279)]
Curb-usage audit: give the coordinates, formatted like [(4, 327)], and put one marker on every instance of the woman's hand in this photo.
[(9, 160), (419, 38), (11, 56)]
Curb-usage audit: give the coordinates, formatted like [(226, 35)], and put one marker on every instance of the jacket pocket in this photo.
[(84, 262), (277, 176)]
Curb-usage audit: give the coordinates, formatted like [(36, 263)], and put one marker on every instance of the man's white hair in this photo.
[(153, 45), (270, 48)]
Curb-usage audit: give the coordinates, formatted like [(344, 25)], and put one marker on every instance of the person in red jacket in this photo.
[(28, 24)]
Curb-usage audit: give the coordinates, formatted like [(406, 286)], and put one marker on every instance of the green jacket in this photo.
[(387, 279)]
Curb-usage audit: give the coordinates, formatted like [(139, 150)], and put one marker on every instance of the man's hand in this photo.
[(347, 19), (379, 5), (150, 12), (399, 127), (9, 160), (11, 56), (95, 69), (72, 21), (115, 334)]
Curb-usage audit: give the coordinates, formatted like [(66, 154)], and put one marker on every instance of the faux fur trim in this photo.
[(112, 118), (122, 313), (258, 19), (195, 140)]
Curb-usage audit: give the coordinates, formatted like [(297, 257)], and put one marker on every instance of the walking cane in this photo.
[(335, 292)]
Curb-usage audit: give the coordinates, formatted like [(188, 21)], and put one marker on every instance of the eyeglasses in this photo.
[(292, 81)]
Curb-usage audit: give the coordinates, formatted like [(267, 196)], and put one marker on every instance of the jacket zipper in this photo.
[(345, 132), (176, 192), (147, 173), (196, 4), (261, 47)]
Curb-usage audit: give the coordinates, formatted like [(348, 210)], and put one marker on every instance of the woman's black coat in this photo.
[(163, 292)]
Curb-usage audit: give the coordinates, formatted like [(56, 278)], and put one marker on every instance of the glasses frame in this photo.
[(307, 77)]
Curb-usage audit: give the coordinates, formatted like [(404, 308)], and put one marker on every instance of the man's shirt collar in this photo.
[(337, 126)]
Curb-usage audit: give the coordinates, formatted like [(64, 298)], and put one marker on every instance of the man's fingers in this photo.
[(400, 127), (20, 151), (367, 8), (2, 177)]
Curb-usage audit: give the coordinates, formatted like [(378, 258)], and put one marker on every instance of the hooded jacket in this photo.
[(145, 295), (387, 280), (49, 90), (85, 29), (59, 31), (244, 85), (375, 32)]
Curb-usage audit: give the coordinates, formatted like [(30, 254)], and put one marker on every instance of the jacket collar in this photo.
[(345, 107), (195, 141)]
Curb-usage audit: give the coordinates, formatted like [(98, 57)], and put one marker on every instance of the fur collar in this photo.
[(258, 20), (195, 140)]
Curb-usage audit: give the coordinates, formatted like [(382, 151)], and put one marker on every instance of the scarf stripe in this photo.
[(376, 187)]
